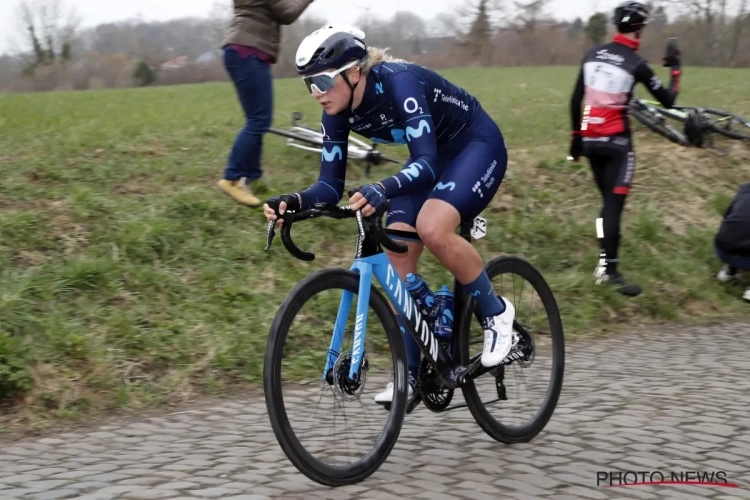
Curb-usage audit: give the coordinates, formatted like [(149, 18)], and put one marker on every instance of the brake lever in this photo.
[(270, 233)]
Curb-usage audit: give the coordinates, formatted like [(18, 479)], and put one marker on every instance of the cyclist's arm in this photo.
[(408, 93), (575, 103), (666, 96), (330, 185)]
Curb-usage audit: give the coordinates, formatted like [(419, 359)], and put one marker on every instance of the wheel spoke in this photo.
[(349, 445)]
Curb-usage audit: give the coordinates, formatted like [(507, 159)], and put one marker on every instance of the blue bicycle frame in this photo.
[(378, 265), (371, 260)]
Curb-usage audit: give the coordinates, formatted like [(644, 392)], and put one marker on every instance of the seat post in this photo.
[(465, 229)]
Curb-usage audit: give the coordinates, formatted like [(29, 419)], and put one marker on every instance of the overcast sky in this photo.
[(94, 12)]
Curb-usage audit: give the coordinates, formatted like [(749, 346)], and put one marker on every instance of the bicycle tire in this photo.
[(728, 133), (493, 428), (298, 137), (314, 469), (650, 121), (713, 125)]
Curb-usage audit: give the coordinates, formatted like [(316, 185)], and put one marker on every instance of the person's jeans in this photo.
[(737, 261), (252, 80)]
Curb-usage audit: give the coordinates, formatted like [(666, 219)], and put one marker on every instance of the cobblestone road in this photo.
[(676, 400)]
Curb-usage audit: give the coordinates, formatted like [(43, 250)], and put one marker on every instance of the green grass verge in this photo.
[(128, 280)]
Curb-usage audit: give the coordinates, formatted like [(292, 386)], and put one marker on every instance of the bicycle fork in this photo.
[(360, 325)]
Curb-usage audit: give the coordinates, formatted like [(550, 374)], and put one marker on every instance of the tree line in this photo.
[(53, 52)]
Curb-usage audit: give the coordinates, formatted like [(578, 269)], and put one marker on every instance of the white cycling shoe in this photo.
[(498, 335), (386, 396)]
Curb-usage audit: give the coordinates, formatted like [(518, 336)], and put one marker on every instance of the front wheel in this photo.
[(537, 329), (728, 124), (324, 340)]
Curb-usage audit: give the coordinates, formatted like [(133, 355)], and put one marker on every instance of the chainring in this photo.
[(434, 396)]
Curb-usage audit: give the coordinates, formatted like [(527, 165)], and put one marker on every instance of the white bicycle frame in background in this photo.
[(357, 149)]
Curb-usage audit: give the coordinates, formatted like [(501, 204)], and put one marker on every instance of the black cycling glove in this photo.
[(291, 200), (672, 61)]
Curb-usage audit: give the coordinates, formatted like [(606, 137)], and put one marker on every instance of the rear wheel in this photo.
[(547, 331)]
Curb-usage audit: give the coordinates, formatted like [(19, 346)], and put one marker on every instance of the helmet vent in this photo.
[(335, 51), (313, 59)]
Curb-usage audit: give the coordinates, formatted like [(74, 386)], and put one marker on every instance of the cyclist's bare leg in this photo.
[(436, 224), (405, 263)]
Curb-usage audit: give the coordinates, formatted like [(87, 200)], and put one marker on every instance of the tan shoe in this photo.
[(240, 192)]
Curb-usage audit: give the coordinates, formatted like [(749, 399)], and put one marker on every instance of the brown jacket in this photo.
[(257, 23)]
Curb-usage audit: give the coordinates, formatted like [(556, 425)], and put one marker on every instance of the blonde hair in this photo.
[(375, 56)]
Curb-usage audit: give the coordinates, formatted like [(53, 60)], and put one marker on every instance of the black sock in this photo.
[(612, 267)]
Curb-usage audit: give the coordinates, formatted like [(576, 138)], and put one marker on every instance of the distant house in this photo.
[(174, 63)]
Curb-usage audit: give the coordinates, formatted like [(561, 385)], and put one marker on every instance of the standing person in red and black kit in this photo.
[(606, 81), (251, 46)]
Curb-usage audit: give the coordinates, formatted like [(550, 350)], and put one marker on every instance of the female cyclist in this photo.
[(458, 159)]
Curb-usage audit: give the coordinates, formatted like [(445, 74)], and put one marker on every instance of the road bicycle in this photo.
[(446, 365), (653, 115), (357, 149)]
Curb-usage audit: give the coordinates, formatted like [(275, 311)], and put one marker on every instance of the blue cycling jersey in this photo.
[(402, 104)]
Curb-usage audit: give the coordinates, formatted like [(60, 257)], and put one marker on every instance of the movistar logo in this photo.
[(417, 132), (412, 171), (450, 186), (378, 88), (475, 293), (398, 134), (330, 155)]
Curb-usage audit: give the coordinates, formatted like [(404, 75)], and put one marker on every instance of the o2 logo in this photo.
[(411, 105)]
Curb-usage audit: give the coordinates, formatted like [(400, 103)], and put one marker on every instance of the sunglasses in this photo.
[(323, 82)]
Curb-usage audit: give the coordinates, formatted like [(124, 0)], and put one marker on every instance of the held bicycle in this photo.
[(357, 149), (717, 120), (344, 372), (653, 115), (654, 118)]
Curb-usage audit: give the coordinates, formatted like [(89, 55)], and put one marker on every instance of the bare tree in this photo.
[(466, 15), (529, 14), (49, 30), (741, 23), (444, 24)]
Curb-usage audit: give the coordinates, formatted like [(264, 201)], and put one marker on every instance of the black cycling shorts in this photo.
[(613, 162)]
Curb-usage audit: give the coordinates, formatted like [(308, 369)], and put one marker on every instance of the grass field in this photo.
[(128, 280)]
